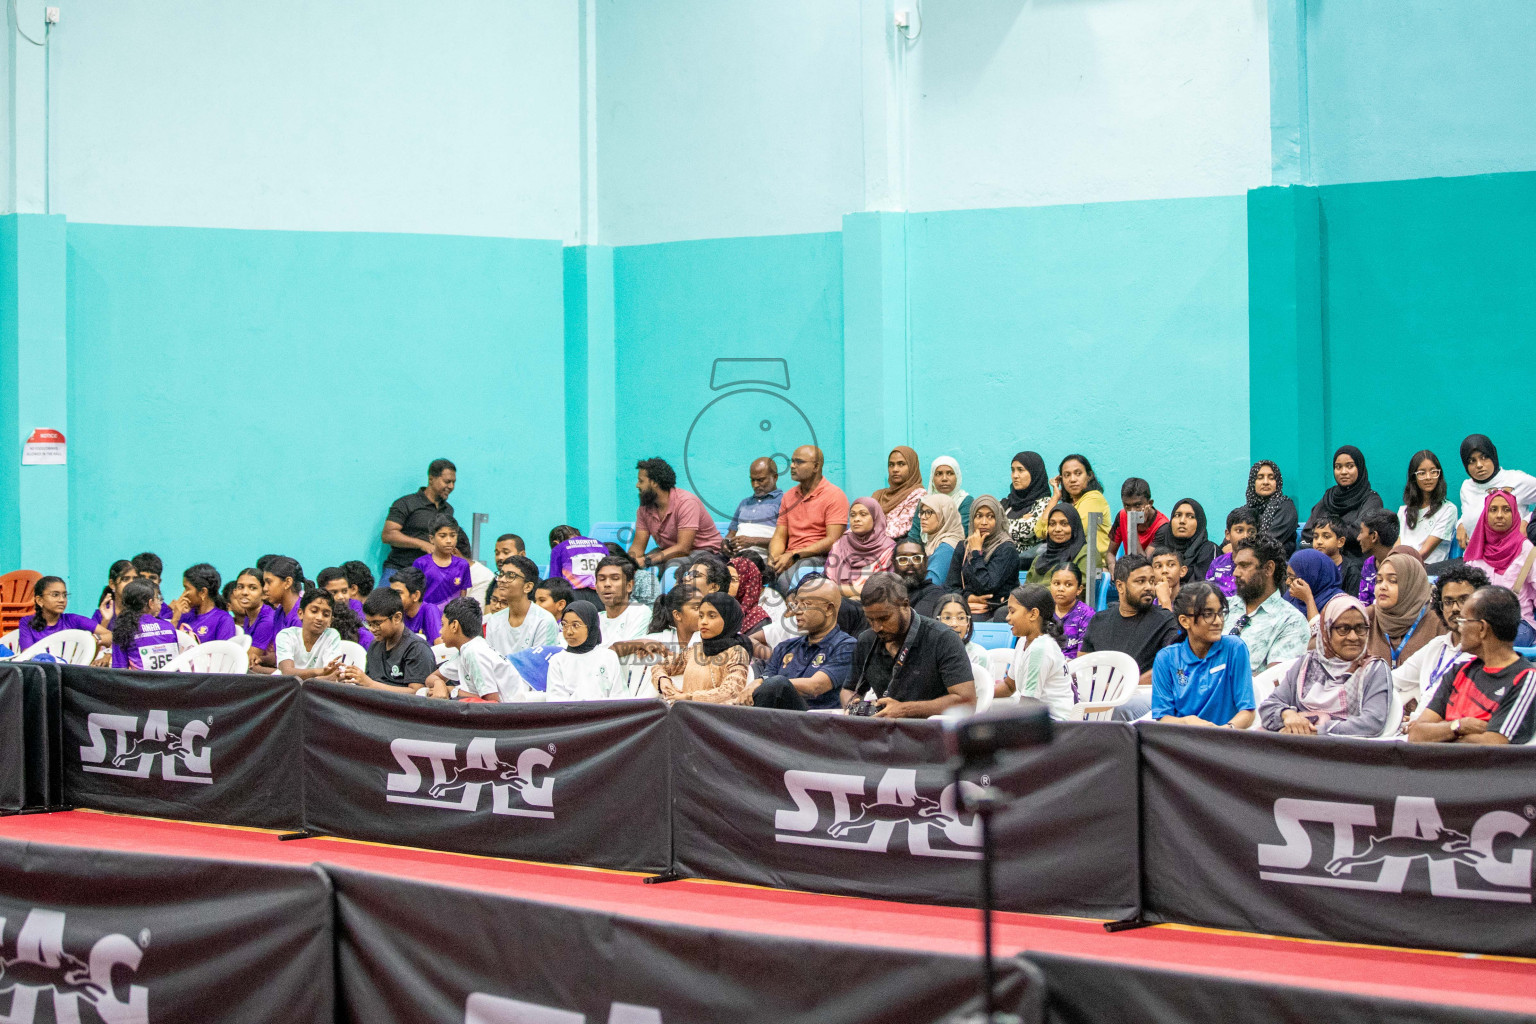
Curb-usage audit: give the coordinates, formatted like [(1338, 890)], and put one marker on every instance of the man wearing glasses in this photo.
[(911, 564), (1421, 674), (811, 518), (807, 672), (1489, 699), (1271, 626), (521, 624)]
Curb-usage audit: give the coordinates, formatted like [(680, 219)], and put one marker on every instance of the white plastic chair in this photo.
[(1000, 662), (352, 653), (1264, 684), (75, 646), (242, 639), (220, 657), (986, 686), (1103, 681), (441, 652), (1394, 715), (11, 639)]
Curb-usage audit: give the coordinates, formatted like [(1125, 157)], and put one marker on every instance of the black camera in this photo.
[(862, 708)]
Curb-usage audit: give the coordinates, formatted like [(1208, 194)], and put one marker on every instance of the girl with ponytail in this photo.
[(139, 640), (1039, 669)]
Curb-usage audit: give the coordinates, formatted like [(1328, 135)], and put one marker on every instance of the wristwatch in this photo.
[(1456, 727)]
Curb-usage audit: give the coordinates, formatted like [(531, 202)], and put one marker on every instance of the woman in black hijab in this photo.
[(1025, 500), (716, 670), (1349, 499), (1275, 512), (1185, 532)]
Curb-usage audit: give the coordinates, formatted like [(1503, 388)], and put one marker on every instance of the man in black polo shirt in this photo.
[(1490, 699), (405, 528), (807, 672), (911, 561), (916, 667)]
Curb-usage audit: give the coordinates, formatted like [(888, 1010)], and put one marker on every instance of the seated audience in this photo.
[(904, 491), (955, 614), (421, 618), (1274, 512), (812, 516), (1489, 698), (555, 596), (573, 557), (482, 578), (941, 533), (346, 623), (406, 526), (282, 584), (1133, 626), (863, 551), (1274, 630), (586, 669), (1065, 544), (520, 624), (397, 659), (510, 544), (807, 672), (1026, 502), (1072, 614), (1501, 549), (910, 560), (151, 568), (986, 569), (1075, 481), (622, 619), (715, 669), (1241, 526), (944, 478), (1039, 669), (674, 624), (1186, 534), (255, 618), (312, 649), (1348, 500), (478, 671), (675, 519), (1426, 520), (757, 515), (1377, 537), (344, 618), (50, 598), (1135, 497), (1421, 673), (1168, 574), (1312, 582), (119, 575), (1206, 679), (1329, 537), (1339, 689), (1481, 460), (1402, 619), (359, 585), (446, 571), (140, 640), (934, 671), (707, 574), (747, 588), (200, 609)]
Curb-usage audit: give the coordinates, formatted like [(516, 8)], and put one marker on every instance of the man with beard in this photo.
[(911, 562), (675, 519), (1272, 627), (916, 667), (1134, 626)]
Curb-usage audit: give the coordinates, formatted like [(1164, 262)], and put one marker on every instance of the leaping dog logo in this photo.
[(69, 975), (1446, 844), (921, 811), (463, 775), (171, 747)]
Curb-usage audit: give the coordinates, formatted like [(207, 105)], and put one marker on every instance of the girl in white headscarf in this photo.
[(944, 478)]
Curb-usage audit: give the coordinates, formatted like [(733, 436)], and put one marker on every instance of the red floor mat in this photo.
[(1451, 978)]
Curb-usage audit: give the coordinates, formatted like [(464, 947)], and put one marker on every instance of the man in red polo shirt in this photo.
[(811, 518), (677, 520)]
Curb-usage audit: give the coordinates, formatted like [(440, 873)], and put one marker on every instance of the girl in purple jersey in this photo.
[(256, 619), (200, 609), (139, 640), (282, 584), (49, 599)]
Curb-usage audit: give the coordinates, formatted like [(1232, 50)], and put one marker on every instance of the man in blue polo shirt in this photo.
[(757, 516), (807, 672), (1206, 679)]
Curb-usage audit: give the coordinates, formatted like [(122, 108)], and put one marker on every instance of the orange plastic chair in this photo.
[(16, 597)]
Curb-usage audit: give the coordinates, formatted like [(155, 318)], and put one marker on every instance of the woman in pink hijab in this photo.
[(1499, 547), (865, 549)]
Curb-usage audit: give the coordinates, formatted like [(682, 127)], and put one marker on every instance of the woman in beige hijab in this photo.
[(899, 501), (939, 518)]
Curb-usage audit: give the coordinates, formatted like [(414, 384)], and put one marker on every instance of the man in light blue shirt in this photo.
[(1274, 630), (756, 517), (1206, 679)]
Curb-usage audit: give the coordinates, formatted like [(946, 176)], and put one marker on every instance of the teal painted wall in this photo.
[(680, 306), (1118, 330), (10, 461), (236, 393), (1428, 284)]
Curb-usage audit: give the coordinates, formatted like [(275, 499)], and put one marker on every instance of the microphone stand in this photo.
[(983, 801)]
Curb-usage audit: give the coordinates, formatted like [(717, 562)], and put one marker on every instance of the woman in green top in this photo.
[(1065, 544)]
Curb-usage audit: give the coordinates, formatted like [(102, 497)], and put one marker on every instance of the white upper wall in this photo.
[(388, 115)]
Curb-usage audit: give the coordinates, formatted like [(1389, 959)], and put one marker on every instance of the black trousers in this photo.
[(778, 692)]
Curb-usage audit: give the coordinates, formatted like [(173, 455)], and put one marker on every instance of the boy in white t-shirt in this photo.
[(520, 624), (622, 619), (477, 671)]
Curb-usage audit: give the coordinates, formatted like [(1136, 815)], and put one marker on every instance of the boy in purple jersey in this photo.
[(49, 599), (446, 572), (1241, 526), (139, 639), (200, 609), (257, 619), (574, 558), (421, 618), (282, 584), (334, 581)]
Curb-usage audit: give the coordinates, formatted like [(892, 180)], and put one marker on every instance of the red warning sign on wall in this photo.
[(44, 448)]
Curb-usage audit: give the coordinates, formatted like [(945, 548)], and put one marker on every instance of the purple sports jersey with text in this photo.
[(152, 649)]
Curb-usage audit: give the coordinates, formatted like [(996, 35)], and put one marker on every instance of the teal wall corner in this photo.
[(1288, 406), (876, 346), (589, 385), (10, 460)]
